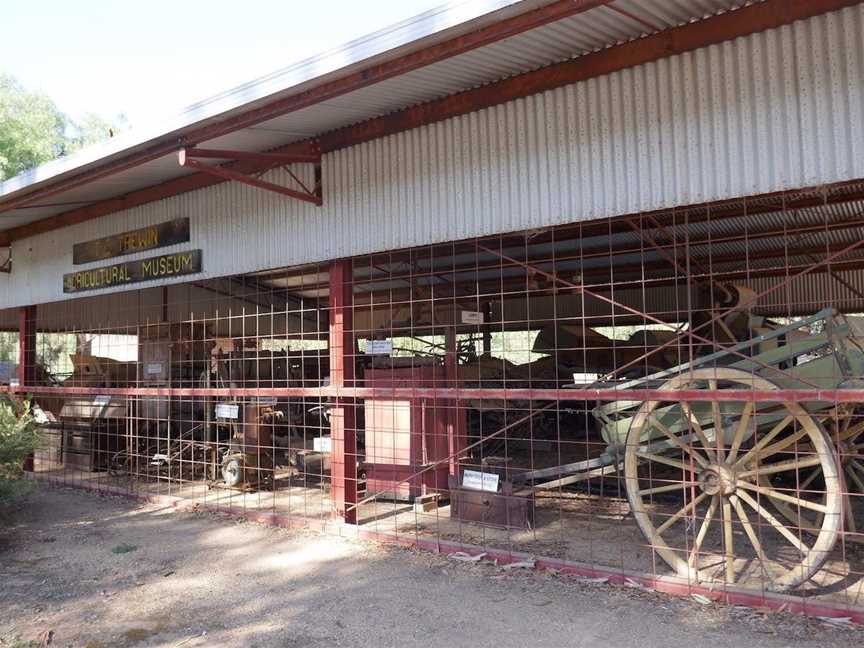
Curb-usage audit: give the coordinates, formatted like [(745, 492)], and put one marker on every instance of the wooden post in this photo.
[(343, 418)]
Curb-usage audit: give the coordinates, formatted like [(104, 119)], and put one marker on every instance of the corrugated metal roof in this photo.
[(620, 144), (597, 28)]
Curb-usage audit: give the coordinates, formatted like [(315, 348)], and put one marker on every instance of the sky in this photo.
[(151, 58)]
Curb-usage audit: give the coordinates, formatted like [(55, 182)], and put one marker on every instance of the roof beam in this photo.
[(367, 76), (747, 20)]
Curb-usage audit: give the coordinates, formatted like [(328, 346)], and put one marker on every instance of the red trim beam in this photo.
[(469, 393)]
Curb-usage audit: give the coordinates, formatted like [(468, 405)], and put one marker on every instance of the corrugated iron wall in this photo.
[(776, 110), (772, 111)]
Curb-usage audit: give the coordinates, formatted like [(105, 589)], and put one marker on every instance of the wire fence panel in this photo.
[(673, 395)]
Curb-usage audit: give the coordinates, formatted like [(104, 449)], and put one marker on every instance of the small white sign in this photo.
[(226, 410), (379, 347), (322, 444), (14, 382), (101, 401), (39, 415), (153, 368), (476, 480), (472, 317)]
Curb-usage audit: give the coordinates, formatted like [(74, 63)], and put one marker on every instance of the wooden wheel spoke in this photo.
[(811, 478), (674, 438), (782, 466), (681, 513), (774, 522), (738, 438), (698, 431), (718, 423), (778, 495), (752, 536), (650, 456), (764, 441), (852, 431), (850, 470), (851, 527), (728, 546), (667, 489), (785, 443), (842, 421), (703, 530)]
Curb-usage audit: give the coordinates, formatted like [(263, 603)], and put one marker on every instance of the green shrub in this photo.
[(19, 436)]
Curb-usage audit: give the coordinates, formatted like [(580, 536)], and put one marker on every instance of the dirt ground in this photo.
[(95, 572)]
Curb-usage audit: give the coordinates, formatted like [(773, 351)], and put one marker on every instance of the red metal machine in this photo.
[(406, 435)]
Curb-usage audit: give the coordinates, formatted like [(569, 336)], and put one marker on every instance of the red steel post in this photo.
[(343, 418), (27, 357)]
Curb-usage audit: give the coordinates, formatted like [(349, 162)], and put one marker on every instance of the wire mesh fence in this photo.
[(675, 394)]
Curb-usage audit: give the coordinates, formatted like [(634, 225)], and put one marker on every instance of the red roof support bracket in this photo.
[(187, 158)]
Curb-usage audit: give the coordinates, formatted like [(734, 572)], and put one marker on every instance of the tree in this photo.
[(19, 437), (8, 347), (33, 130), (92, 129)]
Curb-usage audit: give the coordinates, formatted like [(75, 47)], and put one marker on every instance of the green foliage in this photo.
[(19, 436), (33, 130), (8, 347), (52, 351), (92, 129)]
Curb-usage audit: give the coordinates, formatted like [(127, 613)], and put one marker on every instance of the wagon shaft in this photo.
[(818, 361)]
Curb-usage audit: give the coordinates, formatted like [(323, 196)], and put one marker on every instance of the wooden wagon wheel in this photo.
[(700, 497), (847, 433)]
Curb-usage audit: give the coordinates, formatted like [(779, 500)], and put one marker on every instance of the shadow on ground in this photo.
[(102, 572)]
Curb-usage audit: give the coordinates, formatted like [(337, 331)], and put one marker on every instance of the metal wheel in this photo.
[(119, 464), (232, 470), (696, 482)]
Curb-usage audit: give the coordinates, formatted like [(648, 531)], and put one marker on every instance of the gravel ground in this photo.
[(80, 570)]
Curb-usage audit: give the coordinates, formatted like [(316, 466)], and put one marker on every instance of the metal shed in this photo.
[(578, 280)]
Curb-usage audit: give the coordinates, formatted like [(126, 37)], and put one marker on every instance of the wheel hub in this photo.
[(718, 479)]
